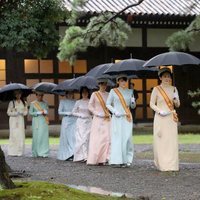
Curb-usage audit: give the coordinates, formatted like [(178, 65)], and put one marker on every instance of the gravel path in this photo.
[(141, 179)]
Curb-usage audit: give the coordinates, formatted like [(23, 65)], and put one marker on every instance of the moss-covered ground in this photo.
[(49, 191)]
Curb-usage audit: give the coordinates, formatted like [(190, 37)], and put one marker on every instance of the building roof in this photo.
[(147, 7)]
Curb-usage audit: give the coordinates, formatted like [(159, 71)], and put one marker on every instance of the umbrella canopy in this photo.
[(172, 58), (99, 70), (7, 91), (83, 81), (62, 87), (129, 67), (45, 87)]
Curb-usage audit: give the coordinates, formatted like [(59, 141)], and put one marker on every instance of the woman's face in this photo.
[(102, 86), (18, 95), (85, 94), (166, 78), (69, 95), (122, 82), (39, 97)]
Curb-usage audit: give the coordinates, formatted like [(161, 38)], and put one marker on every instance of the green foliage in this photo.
[(31, 26), (181, 40), (196, 102), (98, 32), (71, 44)]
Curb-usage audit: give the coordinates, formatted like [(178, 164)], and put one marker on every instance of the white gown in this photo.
[(83, 126), (16, 112)]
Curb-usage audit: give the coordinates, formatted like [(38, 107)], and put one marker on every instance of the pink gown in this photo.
[(99, 143)]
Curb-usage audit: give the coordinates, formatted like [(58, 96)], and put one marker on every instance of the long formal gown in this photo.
[(40, 130), (16, 112), (121, 128), (99, 143), (83, 126), (165, 131), (68, 125)]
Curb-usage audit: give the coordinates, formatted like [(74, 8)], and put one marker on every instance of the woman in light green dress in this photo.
[(40, 130), (118, 102)]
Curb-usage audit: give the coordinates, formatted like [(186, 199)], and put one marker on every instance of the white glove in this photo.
[(67, 113), (117, 114), (133, 100), (83, 116), (20, 112), (163, 113), (175, 96), (100, 115), (39, 112), (45, 112)]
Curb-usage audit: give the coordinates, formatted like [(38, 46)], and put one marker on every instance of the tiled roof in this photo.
[(147, 7)]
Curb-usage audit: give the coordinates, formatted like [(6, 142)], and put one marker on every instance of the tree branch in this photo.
[(113, 17), (130, 6)]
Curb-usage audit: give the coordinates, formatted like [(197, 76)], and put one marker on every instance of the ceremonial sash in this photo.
[(103, 105), (168, 102), (123, 102), (37, 105)]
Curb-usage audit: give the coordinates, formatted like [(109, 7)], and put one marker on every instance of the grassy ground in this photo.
[(137, 139), (43, 190)]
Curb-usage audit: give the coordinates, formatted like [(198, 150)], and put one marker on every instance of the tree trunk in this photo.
[(5, 181)]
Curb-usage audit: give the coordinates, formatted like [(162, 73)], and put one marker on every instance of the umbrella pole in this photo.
[(73, 74), (173, 78)]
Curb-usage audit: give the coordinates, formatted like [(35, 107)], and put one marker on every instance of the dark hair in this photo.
[(123, 78), (165, 72), (21, 98), (81, 91)]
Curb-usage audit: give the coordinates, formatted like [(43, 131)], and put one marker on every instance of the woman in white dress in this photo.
[(165, 131), (83, 126), (67, 134), (17, 109)]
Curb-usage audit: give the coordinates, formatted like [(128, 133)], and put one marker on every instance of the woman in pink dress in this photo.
[(99, 143)]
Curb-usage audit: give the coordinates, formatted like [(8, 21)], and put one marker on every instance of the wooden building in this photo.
[(152, 23)]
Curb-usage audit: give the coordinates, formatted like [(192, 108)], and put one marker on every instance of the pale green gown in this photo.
[(121, 129), (40, 131)]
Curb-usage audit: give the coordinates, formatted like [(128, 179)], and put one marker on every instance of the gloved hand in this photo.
[(100, 115), (20, 113), (68, 113), (133, 100), (82, 116), (45, 112), (163, 113), (117, 114), (175, 95), (39, 112)]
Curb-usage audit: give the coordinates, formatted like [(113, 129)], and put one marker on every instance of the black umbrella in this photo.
[(99, 70), (62, 87), (172, 58), (7, 91), (45, 87), (83, 81), (129, 67)]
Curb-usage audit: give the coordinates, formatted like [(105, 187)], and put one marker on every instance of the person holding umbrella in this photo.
[(83, 125), (40, 130), (163, 100), (67, 134), (118, 102), (99, 143), (17, 109)]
